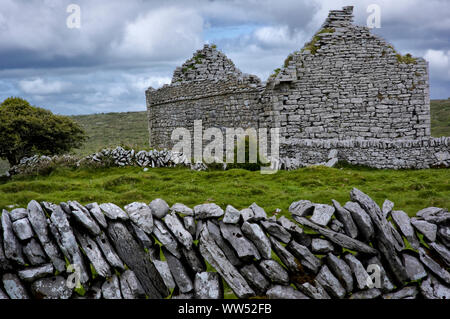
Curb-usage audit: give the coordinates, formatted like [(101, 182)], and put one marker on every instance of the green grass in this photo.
[(410, 190)]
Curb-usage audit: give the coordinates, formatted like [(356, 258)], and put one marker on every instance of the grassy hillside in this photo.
[(440, 117), (410, 190), (130, 129)]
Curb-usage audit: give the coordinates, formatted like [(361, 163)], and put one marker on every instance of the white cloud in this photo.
[(439, 63), (161, 34), (38, 86)]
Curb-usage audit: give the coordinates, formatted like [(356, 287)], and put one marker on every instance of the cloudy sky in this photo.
[(122, 47)]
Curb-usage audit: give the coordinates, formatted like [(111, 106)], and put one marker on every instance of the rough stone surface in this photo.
[(18, 213), (176, 227), (164, 271), (22, 229), (321, 246), (345, 217), (330, 283), (207, 211), (111, 288), (159, 208), (322, 214), (427, 229), (94, 255), (34, 253), (232, 215), (284, 292), (341, 270), (208, 286), (12, 247), (258, 212), (285, 256), (31, 274), (362, 220), (403, 222), (414, 267), (274, 271), (13, 287), (83, 217), (189, 224), (165, 237), (387, 207), (255, 278), (442, 251), (244, 248), (371, 293), (433, 266), (96, 212), (179, 272), (305, 256), (431, 288), (108, 251), (301, 208), (297, 232), (316, 291), (409, 292), (256, 235), (141, 215), (113, 212), (51, 288), (215, 233), (182, 209), (130, 286), (276, 230), (362, 277)]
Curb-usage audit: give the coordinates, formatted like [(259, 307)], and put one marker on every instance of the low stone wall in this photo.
[(353, 251), (394, 154)]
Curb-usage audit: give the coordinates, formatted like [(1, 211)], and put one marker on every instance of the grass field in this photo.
[(410, 190)]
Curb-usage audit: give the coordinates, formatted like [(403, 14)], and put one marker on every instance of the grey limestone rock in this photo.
[(386, 282), (244, 248), (403, 222), (427, 229), (165, 237), (22, 229), (321, 246), (51, 288), (330, 283), (256, 235), (341, 270), (316, 291), (179, 272), (13, 287), (34, 253), (345, 217), (193, 259), (176, 227), (362, 220), (141, 215), (94, 255), (207, 211), (305, 256), (130, 286), (216, 235), (301, 208), (208, 286), (255, 278), (164, 271), (11, 245), (159, 208), (387, 207), (247, 214), (284, 292), (292, 264), (276, 230), (363, 280), (182, 209), (137, 260), (408, 292), (111, 288), (113, 212), (82, 215), (274, 271), (232, 215), (31, 274), (414, 267), (433, 266), (322, 214), (371, 293), (337, 238), (258, 212), (96, 212), (431, 288), (108, 251), (442, 251), (216, 258), (18, 213), (189, 224), (297, 232)]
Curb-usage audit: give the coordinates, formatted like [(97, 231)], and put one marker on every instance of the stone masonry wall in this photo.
[(355, 251), (348, 83), (209, 88)]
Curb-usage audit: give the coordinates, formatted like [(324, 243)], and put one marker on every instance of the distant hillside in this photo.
[(130, 128)]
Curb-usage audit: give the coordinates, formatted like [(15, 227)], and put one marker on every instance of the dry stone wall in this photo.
[(346, 84), (356, 251)]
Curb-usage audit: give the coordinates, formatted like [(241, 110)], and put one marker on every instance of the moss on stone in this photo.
[(312, 46), (407, 58)]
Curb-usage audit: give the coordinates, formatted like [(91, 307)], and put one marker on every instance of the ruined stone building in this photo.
[(347, 89)]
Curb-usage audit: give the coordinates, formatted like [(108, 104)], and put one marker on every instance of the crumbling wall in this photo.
[(356, 251), (347, 83), (207, 87)]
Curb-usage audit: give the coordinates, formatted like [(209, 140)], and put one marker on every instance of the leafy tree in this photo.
[(26, 130)]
